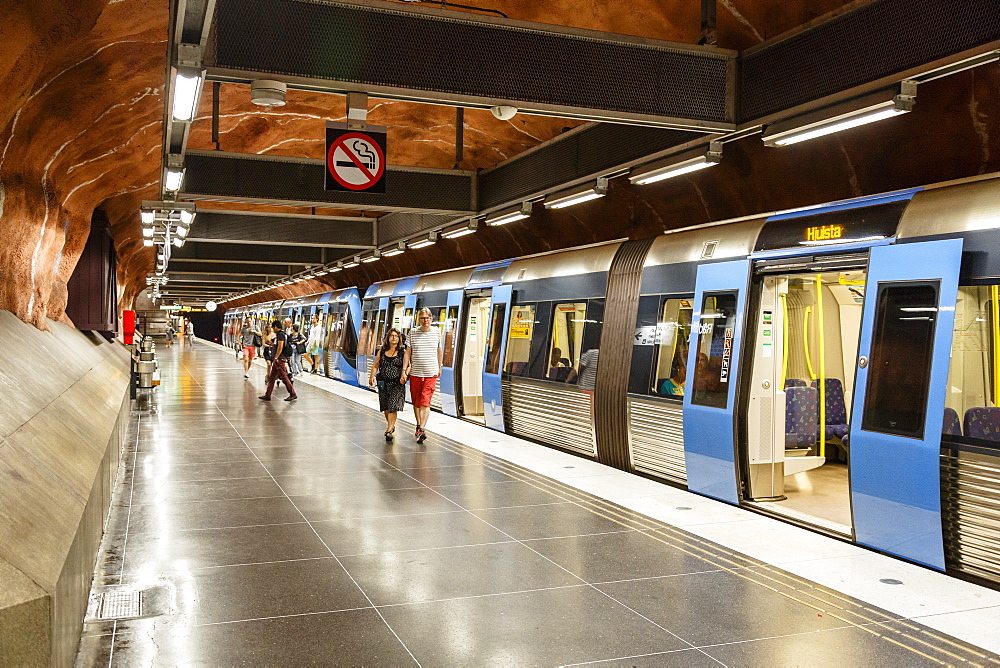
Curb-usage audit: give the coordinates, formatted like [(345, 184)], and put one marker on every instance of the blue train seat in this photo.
[(560, 373), (794, 382), (801, 417), (517, 368), (951, 425), (983, 423), (836, 408)]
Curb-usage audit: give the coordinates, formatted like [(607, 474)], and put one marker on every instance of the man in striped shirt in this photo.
[(422, 364)]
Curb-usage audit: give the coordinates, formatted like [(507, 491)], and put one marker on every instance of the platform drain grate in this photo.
[(120, 604)]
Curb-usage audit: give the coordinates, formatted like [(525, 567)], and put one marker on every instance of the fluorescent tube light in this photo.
[(577, 195), (186, 89), (424, 243), (468, 228), (172, 182), (862, 111), (677, 165), (147, 217), (351, 264), (395, 250), (374, 257), (509, 215), (147, 232), (187, 216), (147, 242)]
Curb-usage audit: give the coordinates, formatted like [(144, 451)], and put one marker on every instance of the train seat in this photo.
[(801, 417), (560, 373), (517, 368), (983, 423), (794, 382), (951, 425), (836, 408)]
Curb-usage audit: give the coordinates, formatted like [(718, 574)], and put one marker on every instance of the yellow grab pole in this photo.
[(805, 342), (995, 294), (784, 344), (822, 367)]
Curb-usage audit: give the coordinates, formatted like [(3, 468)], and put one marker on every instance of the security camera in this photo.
[(504, 113)]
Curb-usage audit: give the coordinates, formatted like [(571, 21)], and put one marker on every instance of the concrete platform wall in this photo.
[(63, 415)]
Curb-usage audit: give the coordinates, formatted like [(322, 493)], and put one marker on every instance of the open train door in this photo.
[(496, 345), (449, 336), (901, 383), (713, 360)]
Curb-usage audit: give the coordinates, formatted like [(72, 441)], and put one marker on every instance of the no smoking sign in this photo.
[(355, 160)]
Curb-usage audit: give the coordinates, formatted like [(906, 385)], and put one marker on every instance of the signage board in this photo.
[(355, 160)]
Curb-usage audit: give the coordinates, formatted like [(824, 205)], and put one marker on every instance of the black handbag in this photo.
[(257, 341)]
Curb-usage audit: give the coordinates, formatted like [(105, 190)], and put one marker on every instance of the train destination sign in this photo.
[(843, 226), (355, 160)]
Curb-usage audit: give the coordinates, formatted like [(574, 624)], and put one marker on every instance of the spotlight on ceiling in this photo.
[(576, 195), (504, 112), (675, 165), (268, 93), (851, 114)]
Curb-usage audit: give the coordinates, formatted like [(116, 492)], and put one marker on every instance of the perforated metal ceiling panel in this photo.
[(397, 226), (596, 149), (232, 176), (878, 39), (270, 229), (390, 48)]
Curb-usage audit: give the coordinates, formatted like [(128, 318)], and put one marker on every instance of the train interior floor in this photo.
[(291, 533)]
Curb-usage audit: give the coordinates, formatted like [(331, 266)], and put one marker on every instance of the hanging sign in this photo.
[(355, 160)]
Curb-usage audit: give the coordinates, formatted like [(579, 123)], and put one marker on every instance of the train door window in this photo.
[(378, 332), (347, 337), (450, 329), (336, 325), (522, 324), (407, 321), (366, 327), (714, 362), (972, 410), (671, 337), (495, 338), (568, 322), (899, 373)]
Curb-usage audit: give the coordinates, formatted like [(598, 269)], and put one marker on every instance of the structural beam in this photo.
[(237, 177), (219, 226), (424, 54), (235, 252)]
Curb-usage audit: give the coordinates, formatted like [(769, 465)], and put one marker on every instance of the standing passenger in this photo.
[(248, 339), (296, 343), (190, 331), (422, 364), (314, 346), (168, 332), (388, 372), (279, 370)]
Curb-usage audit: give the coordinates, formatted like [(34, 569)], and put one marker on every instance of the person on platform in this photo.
[(387, 373), (249, 338), (422, 365), (269, 351), (168, 334), (314, 345), (190, 331), (297, 343), (279, 367)]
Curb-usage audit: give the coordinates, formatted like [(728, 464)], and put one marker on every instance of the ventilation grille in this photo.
[(407, 50), (281, 230), (247, 177), (709, 249), (876, 40), (765, 446), (398, 226)]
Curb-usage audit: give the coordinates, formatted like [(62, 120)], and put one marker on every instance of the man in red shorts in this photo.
[(422, 364)]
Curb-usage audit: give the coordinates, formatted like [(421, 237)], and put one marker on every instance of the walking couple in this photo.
[(419, 361)]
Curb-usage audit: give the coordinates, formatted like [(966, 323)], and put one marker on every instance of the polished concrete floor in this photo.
[(292, 534)]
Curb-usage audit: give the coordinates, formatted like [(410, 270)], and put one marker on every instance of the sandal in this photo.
[(388, 436)]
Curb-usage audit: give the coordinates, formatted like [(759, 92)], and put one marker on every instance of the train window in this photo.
[(450, 329), (496, 337), (899, 372), (366, 328), (568, 321), (671, 340), (974, 372), (714, 364), (378, 331), (522, 325)]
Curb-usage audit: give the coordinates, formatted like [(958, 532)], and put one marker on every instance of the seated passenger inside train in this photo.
[(674, 385), (559, 366)]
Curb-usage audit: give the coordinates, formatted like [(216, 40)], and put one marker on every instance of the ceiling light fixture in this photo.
[(186, 216), (147, 217), (187, 88), (577, 195), (860, 111), (509, 215), (675, 165), (394, 250), (374, 257), (469, 228), (424, 243)]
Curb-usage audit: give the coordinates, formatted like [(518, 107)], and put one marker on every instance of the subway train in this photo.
[(836, 366)]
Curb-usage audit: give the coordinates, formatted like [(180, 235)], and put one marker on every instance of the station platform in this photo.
[(291, 533)]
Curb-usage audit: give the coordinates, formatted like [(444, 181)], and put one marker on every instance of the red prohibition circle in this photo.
[(340, 142)]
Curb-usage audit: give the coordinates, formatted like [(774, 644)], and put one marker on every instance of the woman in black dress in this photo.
[(388, 371)]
